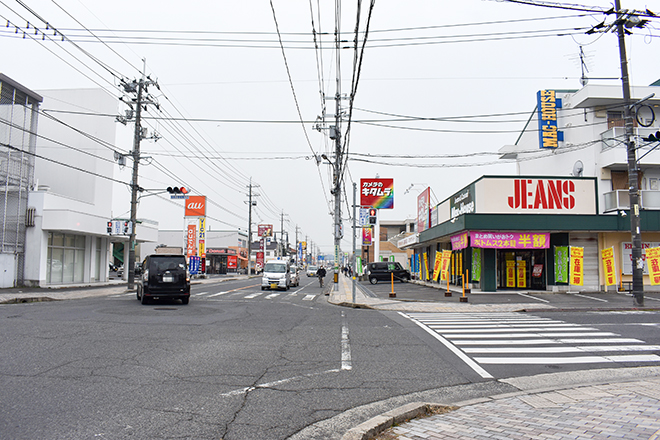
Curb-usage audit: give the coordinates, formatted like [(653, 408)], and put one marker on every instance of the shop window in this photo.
[(66, 258)]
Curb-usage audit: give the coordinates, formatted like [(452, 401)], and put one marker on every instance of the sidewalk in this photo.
[(621, 408), (344, 297)]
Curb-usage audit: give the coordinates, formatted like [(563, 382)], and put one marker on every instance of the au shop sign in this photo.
[(196, 206)]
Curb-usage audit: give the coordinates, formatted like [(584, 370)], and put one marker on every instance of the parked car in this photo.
[(163, 276), (294, 277), (311, 271), (383, 271)]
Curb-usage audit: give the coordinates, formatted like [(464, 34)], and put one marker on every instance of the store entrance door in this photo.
[(521, 269)]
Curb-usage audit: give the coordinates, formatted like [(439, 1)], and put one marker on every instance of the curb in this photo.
[(378, 424)]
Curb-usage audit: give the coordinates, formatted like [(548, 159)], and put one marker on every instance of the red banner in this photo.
[(232, 261), (191, 241), (377, 193)]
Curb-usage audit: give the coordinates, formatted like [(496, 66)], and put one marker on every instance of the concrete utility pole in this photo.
[(633, 177), (140, 88), (250, 205), (337, 169)]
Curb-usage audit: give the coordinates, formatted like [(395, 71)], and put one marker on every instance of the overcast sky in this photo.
[(220, 67)]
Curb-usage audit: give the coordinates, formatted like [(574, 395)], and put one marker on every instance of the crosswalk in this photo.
[(515, 339), (243, 294)]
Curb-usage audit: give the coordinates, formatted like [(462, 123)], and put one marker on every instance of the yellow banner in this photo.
[(426, 267), (577, 266), (446, 260), (522, 273), (653, 262), (609, 269), (510, 273), (437, 265)]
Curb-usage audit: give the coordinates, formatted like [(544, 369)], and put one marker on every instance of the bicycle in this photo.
[(321, 281)]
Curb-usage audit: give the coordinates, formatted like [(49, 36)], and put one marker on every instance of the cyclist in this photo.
[(321, 274)]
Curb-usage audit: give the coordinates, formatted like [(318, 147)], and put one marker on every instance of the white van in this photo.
[(276, 275)]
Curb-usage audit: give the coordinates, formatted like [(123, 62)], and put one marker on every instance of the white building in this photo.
[(62, 225)]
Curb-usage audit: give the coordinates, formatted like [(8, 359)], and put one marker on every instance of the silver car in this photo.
[(294, 277)]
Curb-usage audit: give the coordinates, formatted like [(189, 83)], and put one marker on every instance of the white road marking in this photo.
[(274, 383), (567, 360), (551, 341), (200, 293), (531, 335), (345, 345), (590, 297), (217, 294), (271, 296), (309, 297), (480, 371), (253, 295), (531, 297), (563, 349)]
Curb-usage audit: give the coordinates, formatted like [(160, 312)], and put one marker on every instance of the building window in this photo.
[(66, 258)]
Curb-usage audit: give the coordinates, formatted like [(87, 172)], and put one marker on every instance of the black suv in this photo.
[(163, 276), (383, 272)]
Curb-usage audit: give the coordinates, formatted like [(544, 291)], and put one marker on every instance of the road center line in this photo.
[(345, 345)]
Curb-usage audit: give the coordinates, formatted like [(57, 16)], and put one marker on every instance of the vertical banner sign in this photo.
[(510, 273), (367, 236), (446, 260), (476, 264), (547, 104), (653, 262), (260, 260), (191, 241), (577, 265), (609, 268), (426, 267), (202, 237), (436, 265), (194, 266), (424, 210), (232, 261), (561, 264), (522, 273)]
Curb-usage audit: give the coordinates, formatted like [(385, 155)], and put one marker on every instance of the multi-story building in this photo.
[(19, 110), (571, 189)]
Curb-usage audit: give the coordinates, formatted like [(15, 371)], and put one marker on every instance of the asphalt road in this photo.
[(241, 363)]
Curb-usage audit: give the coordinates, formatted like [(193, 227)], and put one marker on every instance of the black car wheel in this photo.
[(144, 300), (373, 280), (185, 300)]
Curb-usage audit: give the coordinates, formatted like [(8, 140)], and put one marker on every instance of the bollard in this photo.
[(464, 298), (448, 292), (392, 294)]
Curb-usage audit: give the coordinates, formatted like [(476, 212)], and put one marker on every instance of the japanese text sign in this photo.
[(377, 193), (459, 241), (609, 268), (510, 240), (577, 265), (653, 261)]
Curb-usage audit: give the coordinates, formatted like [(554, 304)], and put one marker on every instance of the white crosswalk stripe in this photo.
[(246, 294), (510, 339)]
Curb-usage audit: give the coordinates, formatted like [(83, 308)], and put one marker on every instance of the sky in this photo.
[(442, 86)]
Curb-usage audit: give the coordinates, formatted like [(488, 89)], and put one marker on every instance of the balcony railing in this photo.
[(620, 199)]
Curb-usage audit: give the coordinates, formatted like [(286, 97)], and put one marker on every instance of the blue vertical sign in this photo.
[(194, 264), (547, 104)]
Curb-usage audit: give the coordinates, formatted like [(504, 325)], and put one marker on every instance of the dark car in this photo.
[(163, 276), (383, 271)]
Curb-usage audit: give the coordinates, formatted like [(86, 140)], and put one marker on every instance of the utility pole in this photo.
[(354, 265), (633, 177), (338, 157), (139, 102), (250, 205)]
